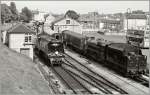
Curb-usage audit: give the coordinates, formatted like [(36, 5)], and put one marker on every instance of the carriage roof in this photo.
[(123, 47), (74, 34), (47, 37)]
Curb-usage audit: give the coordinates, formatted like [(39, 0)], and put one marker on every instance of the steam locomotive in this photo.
[(50, 48), (122, 57)]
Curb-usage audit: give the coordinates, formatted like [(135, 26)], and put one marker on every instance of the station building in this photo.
[(21, 39), (135, 21), (66, 23)]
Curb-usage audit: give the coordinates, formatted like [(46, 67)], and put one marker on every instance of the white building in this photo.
[(39, 16), (47, 24), (4, 36), (66, 23), (135, 21), (20, 39), (49, 19)]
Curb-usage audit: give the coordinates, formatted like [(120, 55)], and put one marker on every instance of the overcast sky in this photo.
[(82, 6)]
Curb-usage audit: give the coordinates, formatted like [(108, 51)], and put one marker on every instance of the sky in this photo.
[(82, 7)]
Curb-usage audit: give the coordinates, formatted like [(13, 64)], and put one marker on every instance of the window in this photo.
[(28, 38), (67, 21)]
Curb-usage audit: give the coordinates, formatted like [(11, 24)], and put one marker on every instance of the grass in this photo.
[(19, 75)]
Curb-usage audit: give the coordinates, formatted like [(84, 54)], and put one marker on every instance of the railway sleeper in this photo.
[(116, 87)]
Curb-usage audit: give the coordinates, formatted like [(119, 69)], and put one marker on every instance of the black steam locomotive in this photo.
[(50, 49), (124, 58)]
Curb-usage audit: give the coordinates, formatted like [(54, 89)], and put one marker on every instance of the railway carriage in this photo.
[(50, 49), (74, 40)]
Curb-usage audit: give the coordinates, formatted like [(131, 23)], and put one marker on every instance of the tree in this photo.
[(23, 17), (14, 11), (6, 13), (72, 14), (26, 14)]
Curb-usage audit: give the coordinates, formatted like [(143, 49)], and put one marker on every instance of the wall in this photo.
[(134, 23), (73, 26), (16, 41), (4, 36)]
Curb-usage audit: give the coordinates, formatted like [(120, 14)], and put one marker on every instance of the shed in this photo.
[(21, 39)]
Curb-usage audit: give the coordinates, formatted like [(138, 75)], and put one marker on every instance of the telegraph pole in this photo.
[(149, 40), (0, 24), (128, 13)]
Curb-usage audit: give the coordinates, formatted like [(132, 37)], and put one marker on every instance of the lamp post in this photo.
[(149, 37), (128, 13), (0, 23)]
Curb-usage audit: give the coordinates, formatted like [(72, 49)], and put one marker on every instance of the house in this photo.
[(39, 16), (21, 39), (112, 25), (135, 21), (97, 23), (89, 22), (66, 23)]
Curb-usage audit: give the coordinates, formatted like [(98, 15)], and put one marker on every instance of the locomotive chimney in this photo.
[(42, 31)]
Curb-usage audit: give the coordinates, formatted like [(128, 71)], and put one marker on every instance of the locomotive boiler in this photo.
[(50, 49)]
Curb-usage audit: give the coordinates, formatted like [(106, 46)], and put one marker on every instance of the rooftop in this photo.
[(20, 28), (136, 16), (110, 21), (74, 34)]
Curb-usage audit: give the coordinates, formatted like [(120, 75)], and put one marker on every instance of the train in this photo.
[(49, 48), (124, 58)]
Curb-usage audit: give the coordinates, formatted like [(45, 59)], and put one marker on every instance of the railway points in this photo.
[(128, 85), (75, 53), (103, 82)]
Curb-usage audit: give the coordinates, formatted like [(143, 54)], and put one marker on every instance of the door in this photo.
[(25, 51)]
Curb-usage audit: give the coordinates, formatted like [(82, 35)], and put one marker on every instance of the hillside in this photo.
[(19, 75)]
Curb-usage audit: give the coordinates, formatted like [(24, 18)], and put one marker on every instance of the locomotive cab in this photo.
[(138, 61)]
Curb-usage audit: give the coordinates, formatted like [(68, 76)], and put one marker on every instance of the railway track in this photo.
[(46, 76), (73, 84), (74, 72), (142, 80), (93, 76)]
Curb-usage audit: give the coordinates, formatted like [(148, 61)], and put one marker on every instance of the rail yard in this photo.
[(94, 48), (71, 71)]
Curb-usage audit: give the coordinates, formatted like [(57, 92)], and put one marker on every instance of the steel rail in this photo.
[(112, 85), (78, 81), (89, 76), (54, 88), (96, 86), (54, 69)]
